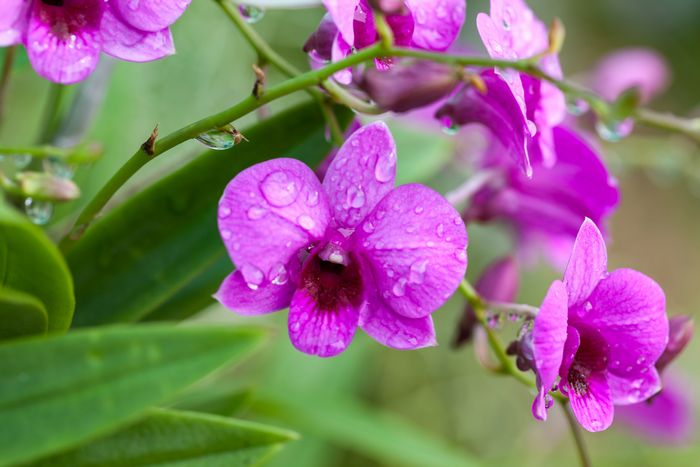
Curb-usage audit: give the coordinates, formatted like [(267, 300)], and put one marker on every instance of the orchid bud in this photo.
[(320, 44), (680, 331), (409, 84), (556, 36), (46, 187), (499, 282), (389, 7)]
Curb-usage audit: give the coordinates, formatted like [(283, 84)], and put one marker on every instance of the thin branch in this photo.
[(10, 53), (583, 456)]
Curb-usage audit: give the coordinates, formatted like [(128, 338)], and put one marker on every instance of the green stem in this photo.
[(77, 155), (162, 145), (320, 77), (583, 456), (10, 53), (52, 112), (479, 306)]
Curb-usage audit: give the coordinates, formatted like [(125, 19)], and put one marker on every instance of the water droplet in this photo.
[(306, 222), (449, 126), (417, 271), (224, 211), (461, 254), (418, 209), (440, 230), (380, 214), (368, 227), (256, 212), (39, 212), (226, 234), (385, 168), (641, 360), (355, 197), (252, 276), (588, 306), (614, 131), (21, 160), (457, 220), (280, 188), (312, 198), (217, 139), (577, 107), (278, 275), (58, 167), (251, 13), (494, 320), (399, 288)]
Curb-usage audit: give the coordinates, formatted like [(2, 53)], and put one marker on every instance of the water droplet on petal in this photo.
[(256, 212), (440, 230), (417, 271), (368, 227), (217, 139), (312, 199), (251, 13), (461, 254), (588, 306), (385, 168), (418, 209), (457, 220), (355, 197), (641, 360), (226, 234), (399, 288), (278, 275), (306, 222), (224, 212), (280, 188), (39, 212), (21, 160), (252, 276)]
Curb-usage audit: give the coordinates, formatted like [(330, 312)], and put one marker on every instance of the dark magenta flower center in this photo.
[(591, 356), (332, 285)]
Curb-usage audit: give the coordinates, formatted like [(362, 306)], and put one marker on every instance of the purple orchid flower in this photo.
[(545, 211), (628, 68), (64, 37), (666, 417), (351, 251), (349, 25), (511, 32), (601, 333)]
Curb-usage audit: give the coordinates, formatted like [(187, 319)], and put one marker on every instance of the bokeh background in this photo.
[(375, 406)]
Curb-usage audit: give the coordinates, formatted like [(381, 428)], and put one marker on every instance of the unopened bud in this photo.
[(46, 187), (389, 7), (409, 84), (680, 332), (557, 34), (319, 45)]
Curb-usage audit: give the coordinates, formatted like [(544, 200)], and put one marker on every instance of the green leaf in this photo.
[(21, 314), (58, 392), (217, 400), (370, 431), (170, 437), (32, 266), (163, 238)]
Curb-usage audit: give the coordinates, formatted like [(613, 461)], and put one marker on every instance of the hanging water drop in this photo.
[(21, 160), (614, 131), (279, 275), (449, 126), (399, 289), (251, 13), (218, 139), (577, 107), (58, 167), (252, 276), (39, 212)]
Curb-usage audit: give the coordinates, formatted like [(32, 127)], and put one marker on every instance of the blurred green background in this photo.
[(375, 406)]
